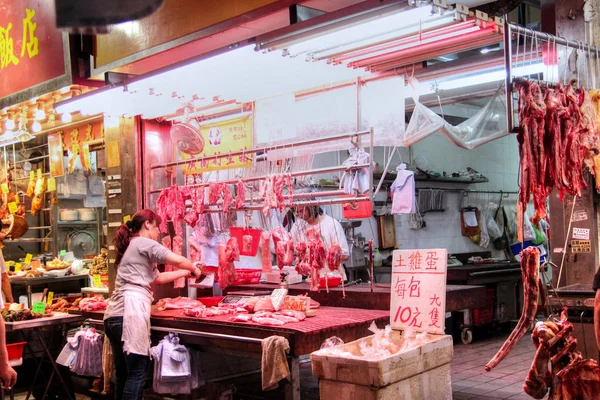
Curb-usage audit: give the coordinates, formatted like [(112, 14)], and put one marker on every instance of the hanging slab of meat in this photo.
[(539, 377), (178, 303), (334, 257), (240, 198), (579, 380), (530, 271), (166, 241), (214, 193), (227, 199), (265, 238), (288, 259), (302, 262), (227, 254), (558, 136), (280, 250), (171, 205)]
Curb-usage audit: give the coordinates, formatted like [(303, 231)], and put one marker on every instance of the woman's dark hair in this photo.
[(130, 229), (314, 211)]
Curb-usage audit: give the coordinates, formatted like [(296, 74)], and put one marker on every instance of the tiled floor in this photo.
[(470, 381)]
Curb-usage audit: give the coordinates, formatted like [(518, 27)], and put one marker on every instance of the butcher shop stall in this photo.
[(350, 185)]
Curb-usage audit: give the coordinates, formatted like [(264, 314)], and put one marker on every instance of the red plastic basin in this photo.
[(15, 350), (211, 301), (332, 281)]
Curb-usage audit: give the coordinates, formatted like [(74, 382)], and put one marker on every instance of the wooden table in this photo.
[(243, 339), (458, 297)]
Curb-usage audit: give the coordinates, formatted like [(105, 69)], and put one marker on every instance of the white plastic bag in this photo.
[(423, 121)]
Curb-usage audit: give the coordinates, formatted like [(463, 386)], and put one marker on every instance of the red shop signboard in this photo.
[(34, 55)]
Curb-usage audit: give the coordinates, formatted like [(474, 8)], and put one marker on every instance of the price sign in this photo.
[(97, 280), (50, 298), (5, 188), (31, 175), (28, 258), (39, 307), (39, 173), (126, 218), (12, 207), (62, 253), (51, 184), (418, 290), (17, 267)]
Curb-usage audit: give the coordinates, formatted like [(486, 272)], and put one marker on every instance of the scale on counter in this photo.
[(233, 300)]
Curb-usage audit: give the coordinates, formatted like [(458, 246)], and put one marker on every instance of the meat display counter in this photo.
[(458, 297), (220, 335)]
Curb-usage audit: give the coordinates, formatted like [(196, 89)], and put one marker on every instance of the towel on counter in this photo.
[(274, 363)]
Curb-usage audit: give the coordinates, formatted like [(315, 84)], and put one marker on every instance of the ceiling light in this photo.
[(36, 127), (484, 51), (39, 114), (66, 118)]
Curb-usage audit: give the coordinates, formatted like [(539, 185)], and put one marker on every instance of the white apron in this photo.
[(136, 320)]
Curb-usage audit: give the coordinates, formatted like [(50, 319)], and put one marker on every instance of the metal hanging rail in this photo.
[(514, 28), (259, 207), (263, 149), (292, 174), (207, 334)]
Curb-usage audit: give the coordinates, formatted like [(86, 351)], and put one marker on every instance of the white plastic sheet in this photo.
[(486, 125)]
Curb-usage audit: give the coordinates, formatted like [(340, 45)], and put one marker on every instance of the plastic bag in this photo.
[(493, 229), (528, 232), (486, 125), (423, 121), (333, 346), (381, 345)]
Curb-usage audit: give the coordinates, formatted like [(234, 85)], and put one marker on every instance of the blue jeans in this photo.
[(130, 369)]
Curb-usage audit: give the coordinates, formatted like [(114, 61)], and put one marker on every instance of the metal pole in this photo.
[(545, 36), (293, 174), (371, 165), (508, 78), (300, 203), (262, 150), (207, 334)]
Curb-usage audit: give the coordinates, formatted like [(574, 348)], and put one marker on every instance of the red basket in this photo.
[(211, 301), (247, 276), (332, 281), (239, 233), (15, 350)]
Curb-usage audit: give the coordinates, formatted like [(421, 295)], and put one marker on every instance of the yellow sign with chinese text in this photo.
[(220, 140)]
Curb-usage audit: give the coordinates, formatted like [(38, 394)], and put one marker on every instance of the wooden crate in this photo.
[(438, 351)]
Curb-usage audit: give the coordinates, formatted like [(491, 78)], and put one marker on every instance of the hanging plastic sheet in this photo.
[(486, 125)]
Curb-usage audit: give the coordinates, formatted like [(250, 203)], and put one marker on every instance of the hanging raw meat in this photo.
[(530, 271), (31, 185), (334, 257), (171, 205), (557, 136), (266, 251), (227, 199), (240, 198), (280, 249), (197, 208), (302, 260), (288, 259), (214, 193), (227, 254)]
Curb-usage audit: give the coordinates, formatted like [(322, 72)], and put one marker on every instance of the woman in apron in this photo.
[(127, 318)]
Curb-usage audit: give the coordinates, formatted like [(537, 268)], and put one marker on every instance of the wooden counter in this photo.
[(458, 297)]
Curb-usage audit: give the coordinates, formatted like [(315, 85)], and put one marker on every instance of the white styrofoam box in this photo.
[(437, 351)]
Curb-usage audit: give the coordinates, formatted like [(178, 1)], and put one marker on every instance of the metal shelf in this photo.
[(74, 223), (28, 240)]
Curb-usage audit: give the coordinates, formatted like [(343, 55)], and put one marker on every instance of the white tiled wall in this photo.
[(498, 161)]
